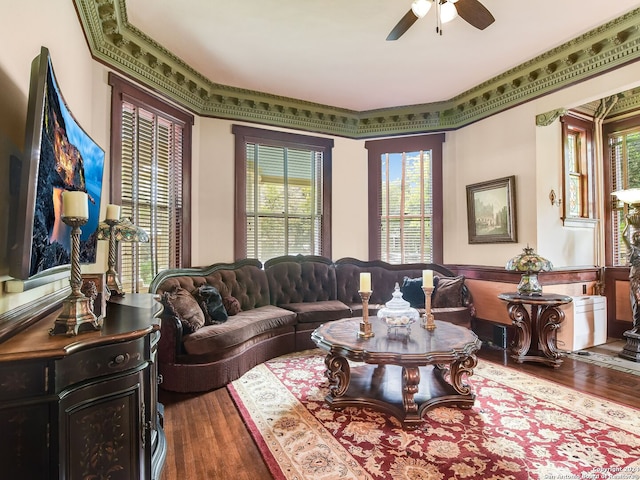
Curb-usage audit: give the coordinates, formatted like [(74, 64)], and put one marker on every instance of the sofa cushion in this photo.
[(309, 312), (448, 292), (181, 304), (244, 280), (238, 329), (231, 305), (210, 301), (412, 291)]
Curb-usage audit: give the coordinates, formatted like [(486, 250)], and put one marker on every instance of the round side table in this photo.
[(536, 317)]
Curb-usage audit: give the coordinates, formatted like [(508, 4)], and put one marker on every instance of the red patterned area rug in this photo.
[(521, 427)]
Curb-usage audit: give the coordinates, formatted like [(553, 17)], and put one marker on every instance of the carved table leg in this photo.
[(410, 382), (460, 370), (339, 374), (548, 321), (521, 320)]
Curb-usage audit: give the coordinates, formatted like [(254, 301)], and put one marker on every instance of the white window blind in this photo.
[(406, 207), (151, 194), (284, 203), (624, 163)]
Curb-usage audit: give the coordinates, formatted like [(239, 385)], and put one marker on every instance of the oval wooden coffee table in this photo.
[(402, 375)]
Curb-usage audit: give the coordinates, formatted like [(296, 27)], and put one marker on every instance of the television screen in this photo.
[(59, 156)]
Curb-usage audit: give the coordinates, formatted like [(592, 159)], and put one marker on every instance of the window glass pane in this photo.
[(624, 157), (406, 207), (300, 235), (270, 172), (575, 195), (283, 201), (271, 241), (632, 144), (572, 162)]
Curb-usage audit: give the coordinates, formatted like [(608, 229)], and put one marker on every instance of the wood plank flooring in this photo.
[(207, 439)]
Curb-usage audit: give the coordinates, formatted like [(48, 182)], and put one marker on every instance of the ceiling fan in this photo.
[(471, 11)]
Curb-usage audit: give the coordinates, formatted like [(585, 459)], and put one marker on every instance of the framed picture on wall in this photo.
[(491, 211)]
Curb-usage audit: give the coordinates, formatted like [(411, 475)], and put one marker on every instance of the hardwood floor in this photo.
[(207, 439)]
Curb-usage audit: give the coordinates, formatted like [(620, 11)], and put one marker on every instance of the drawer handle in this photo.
[(119, 360)]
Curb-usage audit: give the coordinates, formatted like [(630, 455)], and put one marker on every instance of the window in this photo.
[(150, 179), (283, 194), (405, 199), (623, 146), (578, 189)]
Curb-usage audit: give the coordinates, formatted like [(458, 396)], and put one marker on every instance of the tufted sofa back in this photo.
[(300, 278), (245, 280), (383, 278)]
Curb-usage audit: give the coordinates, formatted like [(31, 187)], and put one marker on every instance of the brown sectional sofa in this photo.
[(280, 304)]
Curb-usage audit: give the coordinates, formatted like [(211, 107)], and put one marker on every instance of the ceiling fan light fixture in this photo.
[(448, 11), (420, 7)]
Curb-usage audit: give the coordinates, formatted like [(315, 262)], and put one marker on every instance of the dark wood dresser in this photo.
[(84, 407)]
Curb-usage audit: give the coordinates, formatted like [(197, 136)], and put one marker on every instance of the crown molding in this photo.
[(115, 42)]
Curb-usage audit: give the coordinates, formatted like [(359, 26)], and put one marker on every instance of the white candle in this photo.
[(427, 278), (365, 282), (113, 212), (75, 204)]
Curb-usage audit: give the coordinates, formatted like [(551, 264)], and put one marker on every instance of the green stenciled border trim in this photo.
[(115, 42)]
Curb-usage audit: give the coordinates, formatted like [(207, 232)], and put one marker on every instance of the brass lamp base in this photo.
[(113, 284), (529, 284), (76, 317)]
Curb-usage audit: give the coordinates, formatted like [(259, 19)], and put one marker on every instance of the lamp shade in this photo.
[(630, 195), (124, 231), (448, 12), (420, 7), (530, 263)]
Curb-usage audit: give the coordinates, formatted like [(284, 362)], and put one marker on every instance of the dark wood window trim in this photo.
[(244, 135), (376, 148), (585, 130), (123, 89)]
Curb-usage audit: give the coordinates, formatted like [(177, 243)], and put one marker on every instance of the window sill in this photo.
[(580, 222)]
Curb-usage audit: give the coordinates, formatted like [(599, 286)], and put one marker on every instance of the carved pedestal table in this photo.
[(402, 374), (536, 339)]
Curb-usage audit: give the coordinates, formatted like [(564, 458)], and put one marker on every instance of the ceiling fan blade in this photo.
[(474, 13), (402, 26)]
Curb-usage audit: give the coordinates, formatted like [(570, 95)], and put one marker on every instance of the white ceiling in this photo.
[(334, 52)]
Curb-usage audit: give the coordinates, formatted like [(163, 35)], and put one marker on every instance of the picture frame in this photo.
[(491, 211)]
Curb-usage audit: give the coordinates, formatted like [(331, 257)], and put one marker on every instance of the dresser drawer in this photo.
[(99, 361), (23, 379)]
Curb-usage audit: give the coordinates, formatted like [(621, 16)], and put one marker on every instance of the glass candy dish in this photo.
[(398, 314)]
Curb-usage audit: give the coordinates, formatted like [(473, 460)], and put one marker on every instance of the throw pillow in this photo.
[(210, 301), (181, 304), (412, 292), (448, 292), (231, 305)]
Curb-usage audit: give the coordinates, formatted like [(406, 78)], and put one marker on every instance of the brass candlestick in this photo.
[(76, 315), (365, 326), (429, 322)]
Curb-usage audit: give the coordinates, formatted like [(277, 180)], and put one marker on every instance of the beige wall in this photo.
[(55, 25), (505, 144)]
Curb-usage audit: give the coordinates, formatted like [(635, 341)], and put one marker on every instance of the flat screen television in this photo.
[(59, 155)]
